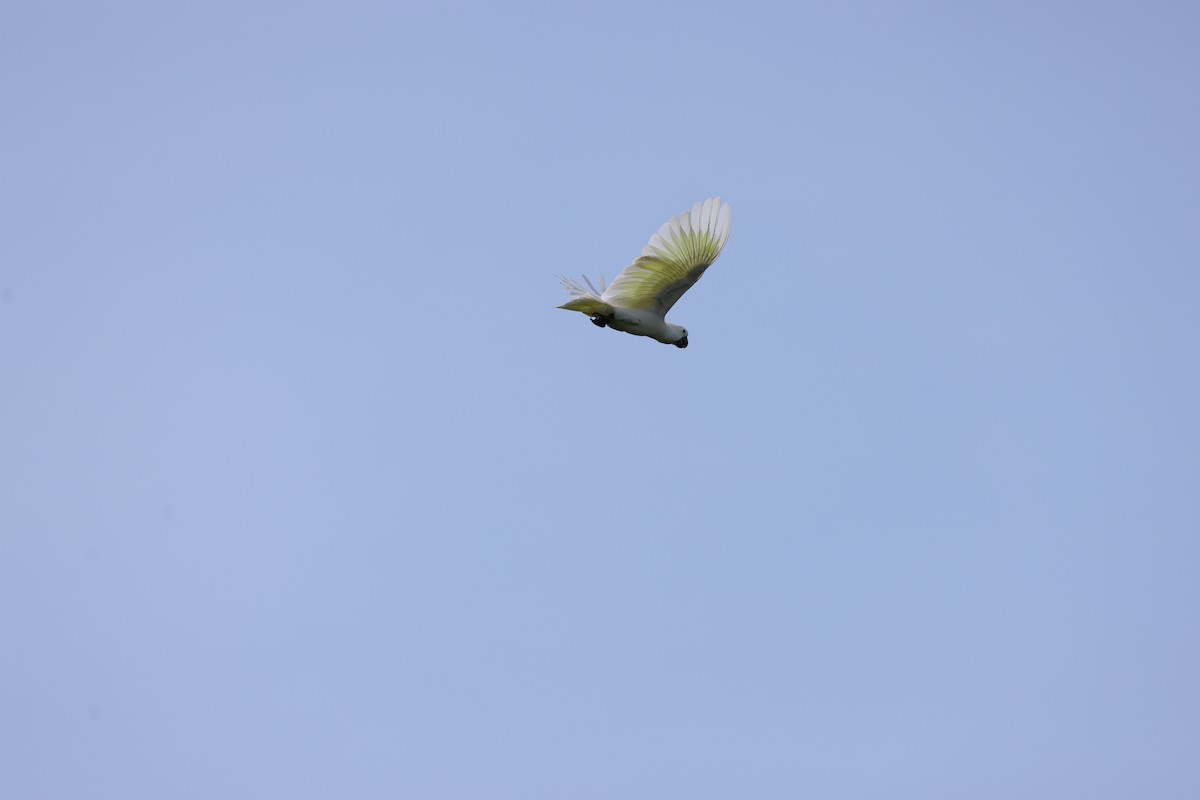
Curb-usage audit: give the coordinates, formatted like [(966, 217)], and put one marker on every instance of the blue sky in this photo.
[(307, 490)]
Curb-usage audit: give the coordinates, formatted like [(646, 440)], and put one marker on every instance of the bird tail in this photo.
[(586, 300)]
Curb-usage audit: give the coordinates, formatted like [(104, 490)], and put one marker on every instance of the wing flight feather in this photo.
[(673, 260)]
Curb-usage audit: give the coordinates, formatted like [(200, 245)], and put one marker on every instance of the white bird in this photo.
[(638, 300)]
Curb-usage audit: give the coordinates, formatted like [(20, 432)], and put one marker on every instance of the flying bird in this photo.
[(637, 301)]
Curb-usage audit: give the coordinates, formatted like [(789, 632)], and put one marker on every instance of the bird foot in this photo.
[(599, 322)]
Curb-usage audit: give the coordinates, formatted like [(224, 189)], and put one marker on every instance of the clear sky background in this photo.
[(307, 490)]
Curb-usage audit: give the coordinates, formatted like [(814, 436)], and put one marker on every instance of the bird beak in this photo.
[(682, 342)]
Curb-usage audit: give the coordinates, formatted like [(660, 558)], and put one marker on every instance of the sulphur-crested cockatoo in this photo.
[(638, 300)]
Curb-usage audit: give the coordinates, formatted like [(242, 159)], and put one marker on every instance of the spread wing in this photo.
[(674, 259)]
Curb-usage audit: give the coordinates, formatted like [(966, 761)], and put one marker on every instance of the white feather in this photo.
[(674, 259)]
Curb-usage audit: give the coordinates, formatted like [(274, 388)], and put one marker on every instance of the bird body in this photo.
[(638, 300), (645, 323)]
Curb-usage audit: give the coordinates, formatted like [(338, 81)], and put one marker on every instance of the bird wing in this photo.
[(674, 259)]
